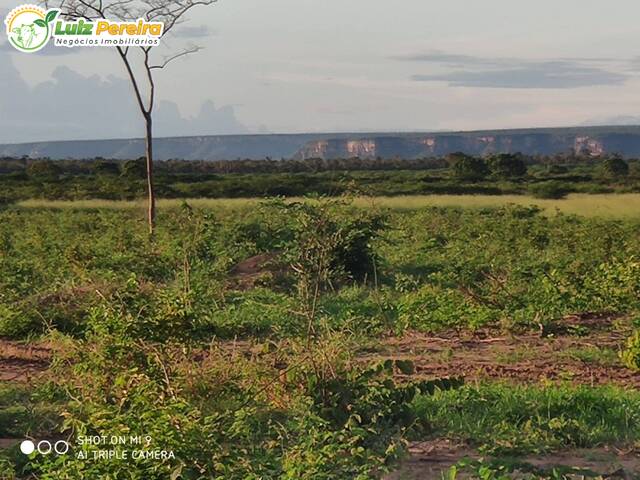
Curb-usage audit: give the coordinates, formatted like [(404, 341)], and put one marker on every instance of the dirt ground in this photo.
[(582, 349), (20, 361), (430, 460)]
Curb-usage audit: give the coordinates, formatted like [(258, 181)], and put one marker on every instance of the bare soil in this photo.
[(588, 357), (433, 458), (21, 361)]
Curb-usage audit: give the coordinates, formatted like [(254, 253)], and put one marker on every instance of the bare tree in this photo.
[(140, 70)]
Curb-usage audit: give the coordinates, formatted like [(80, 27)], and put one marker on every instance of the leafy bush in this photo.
[(507, 165), (549, 190), (630, 356), (466, 167), (614, 167)]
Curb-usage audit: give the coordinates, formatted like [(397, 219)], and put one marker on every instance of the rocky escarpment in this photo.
[(594, 142)]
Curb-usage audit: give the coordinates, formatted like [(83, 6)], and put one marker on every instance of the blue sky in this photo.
[(348, 65)]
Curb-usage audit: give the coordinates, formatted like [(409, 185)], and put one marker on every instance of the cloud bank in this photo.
[(480, 72), (75, 107)]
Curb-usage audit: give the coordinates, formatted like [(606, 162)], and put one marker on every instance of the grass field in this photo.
[(309, 341), (604, 205)]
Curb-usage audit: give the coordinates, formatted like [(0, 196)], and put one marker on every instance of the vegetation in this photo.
[(507, 420), (458, 174), (247, 338)]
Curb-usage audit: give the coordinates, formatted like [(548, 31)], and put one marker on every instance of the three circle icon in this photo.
[(44, 447)]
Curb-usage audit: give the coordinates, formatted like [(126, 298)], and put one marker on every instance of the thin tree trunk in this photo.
[(151, 213)]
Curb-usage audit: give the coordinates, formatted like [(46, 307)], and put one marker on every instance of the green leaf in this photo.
[(51, 15), (39, 22)]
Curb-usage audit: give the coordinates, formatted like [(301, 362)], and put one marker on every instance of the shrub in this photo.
[(45, 169), (466, 167), (507, 165), (549, 190), (613, 167), (630, 356), (326, 242)]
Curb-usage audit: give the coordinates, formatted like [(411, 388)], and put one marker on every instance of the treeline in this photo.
[(268, 165), (457, 173)]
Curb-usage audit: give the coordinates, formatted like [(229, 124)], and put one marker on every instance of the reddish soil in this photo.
[(22, 361), (588, 359), (431, 459)]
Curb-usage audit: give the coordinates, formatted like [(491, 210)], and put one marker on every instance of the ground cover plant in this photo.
[(320, 338)]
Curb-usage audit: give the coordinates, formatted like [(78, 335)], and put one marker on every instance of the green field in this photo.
[(323, 339), (603, 205)]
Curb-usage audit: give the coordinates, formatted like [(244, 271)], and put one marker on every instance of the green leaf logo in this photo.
[(51, 15), (29, 27)]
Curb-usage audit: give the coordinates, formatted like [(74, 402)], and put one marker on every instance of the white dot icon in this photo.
[(27, 447)]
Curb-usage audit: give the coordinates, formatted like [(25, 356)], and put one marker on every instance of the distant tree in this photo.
[(614, 166), (43, 169), (134, 168), (105, 167), (466, 167), (507, 165)]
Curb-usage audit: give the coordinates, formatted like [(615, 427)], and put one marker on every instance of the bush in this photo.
[(44, 169), (466, 167), (507, 165), (630, 356), (326, 241), (614, 167), (549, 190)]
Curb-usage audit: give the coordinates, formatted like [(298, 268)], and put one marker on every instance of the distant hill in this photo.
[(593, 141)]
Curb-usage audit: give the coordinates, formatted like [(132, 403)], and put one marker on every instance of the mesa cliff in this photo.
[(593, 141)]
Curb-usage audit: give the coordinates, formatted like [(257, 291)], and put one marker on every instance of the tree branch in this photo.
[(170, 59)]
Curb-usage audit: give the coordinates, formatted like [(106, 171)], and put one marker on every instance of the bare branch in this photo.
[(170, 13), (168, 60)]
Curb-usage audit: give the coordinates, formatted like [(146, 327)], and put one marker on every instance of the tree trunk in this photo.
[(151, 213)]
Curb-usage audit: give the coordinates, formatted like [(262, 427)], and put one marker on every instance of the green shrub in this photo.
[(549, 190), (630, 356), (507, 165), (17, 324), (614, 167)]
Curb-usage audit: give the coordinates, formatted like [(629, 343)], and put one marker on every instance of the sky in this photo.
[(292, 66)]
